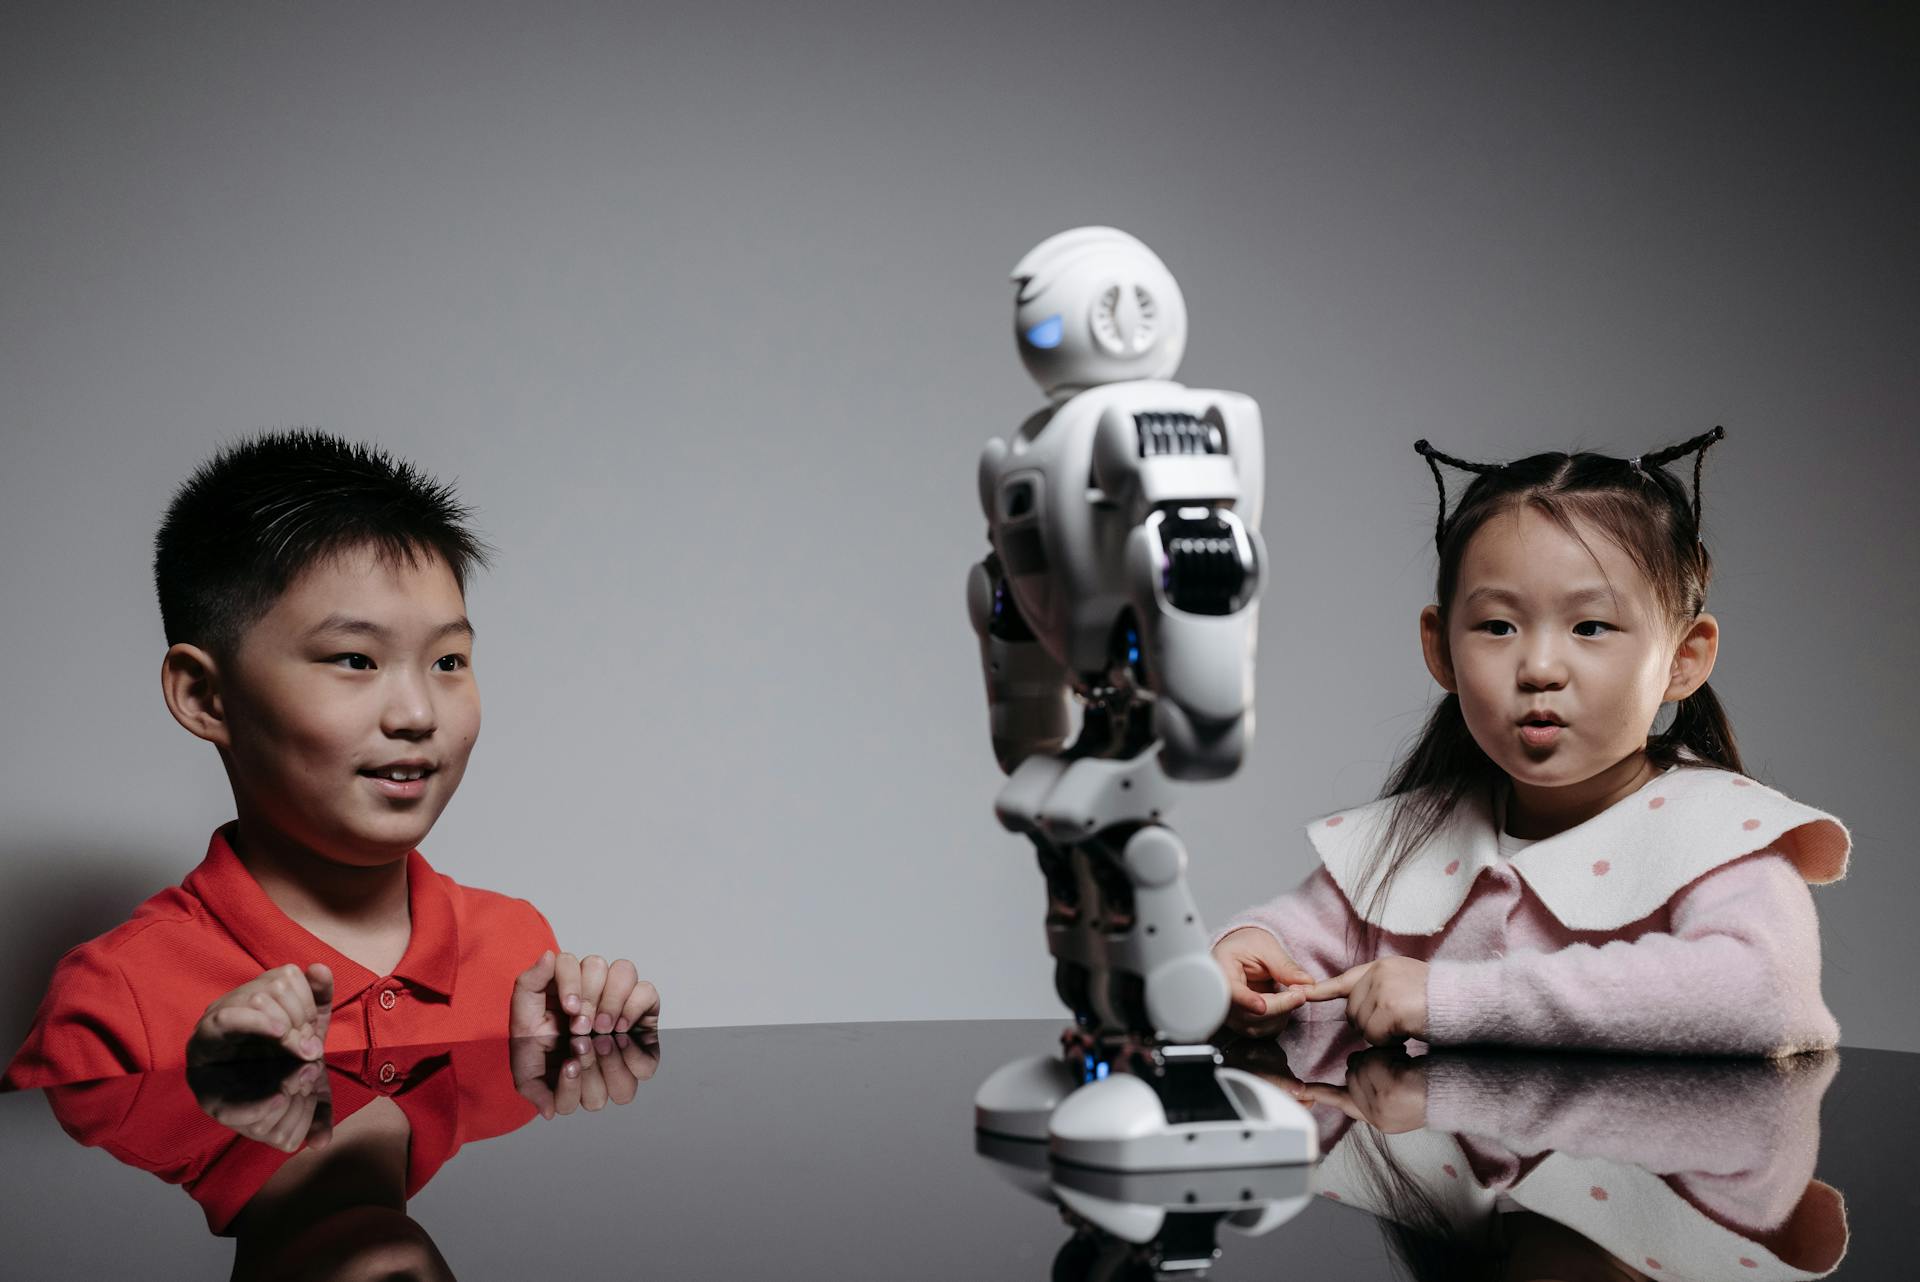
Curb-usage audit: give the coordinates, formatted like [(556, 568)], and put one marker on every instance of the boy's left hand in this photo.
[(1386, 998), (562, 993)]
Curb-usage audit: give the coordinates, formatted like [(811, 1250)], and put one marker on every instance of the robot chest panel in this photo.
[(1073, 489)]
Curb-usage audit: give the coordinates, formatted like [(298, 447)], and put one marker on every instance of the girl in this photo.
[(1542, 869)]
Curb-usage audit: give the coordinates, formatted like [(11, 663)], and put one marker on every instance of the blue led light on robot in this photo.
[(1047, 333), (1100, 1072)]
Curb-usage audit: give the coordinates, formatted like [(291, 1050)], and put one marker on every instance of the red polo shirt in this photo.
[(127, 1001)]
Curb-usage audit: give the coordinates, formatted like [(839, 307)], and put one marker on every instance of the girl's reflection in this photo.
[(1571, 1167)]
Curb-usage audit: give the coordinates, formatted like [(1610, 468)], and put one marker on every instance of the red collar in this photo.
[(232, 896)]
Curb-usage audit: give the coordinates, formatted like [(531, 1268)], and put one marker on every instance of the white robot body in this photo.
[(1125, 578), (1127, 519)]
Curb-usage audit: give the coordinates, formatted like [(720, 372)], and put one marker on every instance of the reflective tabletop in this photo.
[(849, 1151)]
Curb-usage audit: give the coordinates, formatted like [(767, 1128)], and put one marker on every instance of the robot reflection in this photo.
[(1123, 583)]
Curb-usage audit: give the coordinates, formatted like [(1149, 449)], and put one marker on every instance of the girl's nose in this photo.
[(1541, 667)]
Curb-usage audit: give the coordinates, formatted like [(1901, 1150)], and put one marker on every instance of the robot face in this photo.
[(1095, 306)]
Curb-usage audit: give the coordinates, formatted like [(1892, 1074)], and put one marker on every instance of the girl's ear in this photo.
[(1693, 657), (190, 683), (1433, 644)]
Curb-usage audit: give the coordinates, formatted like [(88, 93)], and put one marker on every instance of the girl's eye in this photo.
[(1489, 626), (1591, 623), (354, 662), (450, 662)]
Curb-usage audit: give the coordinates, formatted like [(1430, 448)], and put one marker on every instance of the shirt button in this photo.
[(386, 999), (388, 1072)]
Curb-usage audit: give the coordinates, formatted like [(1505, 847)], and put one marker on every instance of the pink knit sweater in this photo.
[(1728, 962)]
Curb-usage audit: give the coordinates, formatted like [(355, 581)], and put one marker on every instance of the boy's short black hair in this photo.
[(253, 517)]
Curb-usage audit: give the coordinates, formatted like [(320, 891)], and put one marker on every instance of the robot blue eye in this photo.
[(1047, 333), (1100, 1071)]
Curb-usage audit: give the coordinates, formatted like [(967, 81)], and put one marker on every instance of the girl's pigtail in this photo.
[(1434, 459), (1698, 448), (1701, 727)]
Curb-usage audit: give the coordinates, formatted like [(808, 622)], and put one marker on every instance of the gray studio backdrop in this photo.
[(705, 308)]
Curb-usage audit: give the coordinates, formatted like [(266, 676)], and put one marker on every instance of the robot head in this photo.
[(1094, 305)]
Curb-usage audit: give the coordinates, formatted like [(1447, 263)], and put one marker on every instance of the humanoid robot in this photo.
[(1124, 578)]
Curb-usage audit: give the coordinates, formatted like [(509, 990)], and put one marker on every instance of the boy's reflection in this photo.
[(310, 1167), (1518, 1166)]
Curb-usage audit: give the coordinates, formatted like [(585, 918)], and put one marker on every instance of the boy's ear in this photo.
[(1433, 644), (190, 683), (1693, 657)]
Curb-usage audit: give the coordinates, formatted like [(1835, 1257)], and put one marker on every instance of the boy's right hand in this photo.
[(1264, 984), (285, 1008)]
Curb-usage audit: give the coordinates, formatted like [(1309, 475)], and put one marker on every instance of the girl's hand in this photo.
[(1265, 984), (1386, 999)]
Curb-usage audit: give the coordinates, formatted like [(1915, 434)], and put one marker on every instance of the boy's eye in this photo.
[(1591, 623), (450, 662), (356, 662), (1489, 626)]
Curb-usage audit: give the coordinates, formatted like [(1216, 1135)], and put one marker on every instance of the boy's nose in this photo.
[(409, 712)]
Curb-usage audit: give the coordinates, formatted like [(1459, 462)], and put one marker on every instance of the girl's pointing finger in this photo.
[(1339, 986)]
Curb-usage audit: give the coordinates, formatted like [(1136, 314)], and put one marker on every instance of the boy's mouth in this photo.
[(400, 772), (400, 780)]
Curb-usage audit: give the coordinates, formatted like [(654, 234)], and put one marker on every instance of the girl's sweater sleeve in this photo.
[(1313, 922), (1738, 973)]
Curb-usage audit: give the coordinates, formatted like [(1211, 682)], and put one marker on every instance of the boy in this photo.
[(313, 595)]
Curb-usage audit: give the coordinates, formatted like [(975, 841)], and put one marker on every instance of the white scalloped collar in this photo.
[(1612, 870)]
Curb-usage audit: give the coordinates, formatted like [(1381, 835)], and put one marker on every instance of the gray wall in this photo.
[(706, 310)]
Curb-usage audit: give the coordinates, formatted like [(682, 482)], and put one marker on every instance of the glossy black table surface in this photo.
[(848, 1151)]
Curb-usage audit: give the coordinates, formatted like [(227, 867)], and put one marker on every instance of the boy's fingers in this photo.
[(261, 1123), (527, 1008), (286, 997), (320, 984), (593, 982), (593, 1087), (566, 1093), (535, 978), (289, 987), (621, 1083), (299, 1121), (642, 1004), (566, 979), (320, 1134), (641, 1058), (240, 1021), (621, 977)]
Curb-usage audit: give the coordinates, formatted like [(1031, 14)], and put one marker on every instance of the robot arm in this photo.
[(1027, 689)]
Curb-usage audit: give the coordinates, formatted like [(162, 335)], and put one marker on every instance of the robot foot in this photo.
[(1018, 1099), (1124, 1124)]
